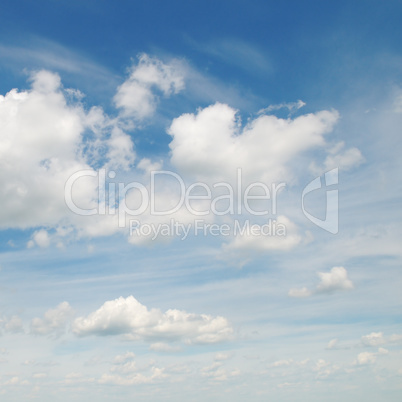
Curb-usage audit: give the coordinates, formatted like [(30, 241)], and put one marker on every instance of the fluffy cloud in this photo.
[(40, 238), (333, 343), (212, 144), (373, 339), (365, 358), (54, 320), (127, 316), (135, 96), (335, 280), (46, 136)]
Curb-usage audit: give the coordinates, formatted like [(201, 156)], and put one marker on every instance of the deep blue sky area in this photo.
[(306, 42)]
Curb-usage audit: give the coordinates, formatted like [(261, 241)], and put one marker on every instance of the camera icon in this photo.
[(331, 221)]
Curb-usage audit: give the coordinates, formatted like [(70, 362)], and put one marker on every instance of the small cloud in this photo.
[(39, 375), (303, 292), (14, 324), (135, 97), (335, 280), (343, 159), (291, 106), (373, 339), (164, 347), (223, 356), (282, 363), (383, 351), (365, 358), (13, 381), (40, 238), (332, 344), (54, 320)]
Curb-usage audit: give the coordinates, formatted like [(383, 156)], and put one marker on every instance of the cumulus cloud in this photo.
[(365, 358), (49, 136), (127, 316), (211, 144), (40, 238), (373, 339), (335, 280), (54, 320), (135, 96)]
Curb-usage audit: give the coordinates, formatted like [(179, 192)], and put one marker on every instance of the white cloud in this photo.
[(282, 363), (124, 364), (216, 372), (373, 339), (164, 347), (12, 381), (50, 136), (135, 96), (343, 159), (291, 106), (303, 292), (54, 320), (127, 316), (120, 359), (212, 144), (335, 280), (223, 356), (365, 358), (13, 324), (333, 343), (41, 238)]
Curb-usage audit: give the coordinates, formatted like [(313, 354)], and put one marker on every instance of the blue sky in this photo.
[(210, 299)]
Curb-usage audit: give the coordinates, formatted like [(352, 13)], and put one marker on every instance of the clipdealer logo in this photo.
[(112, 200)]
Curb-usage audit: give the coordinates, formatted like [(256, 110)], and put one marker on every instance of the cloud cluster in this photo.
[(127, 316), (45, 137), (125, 372), (335, 280)]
